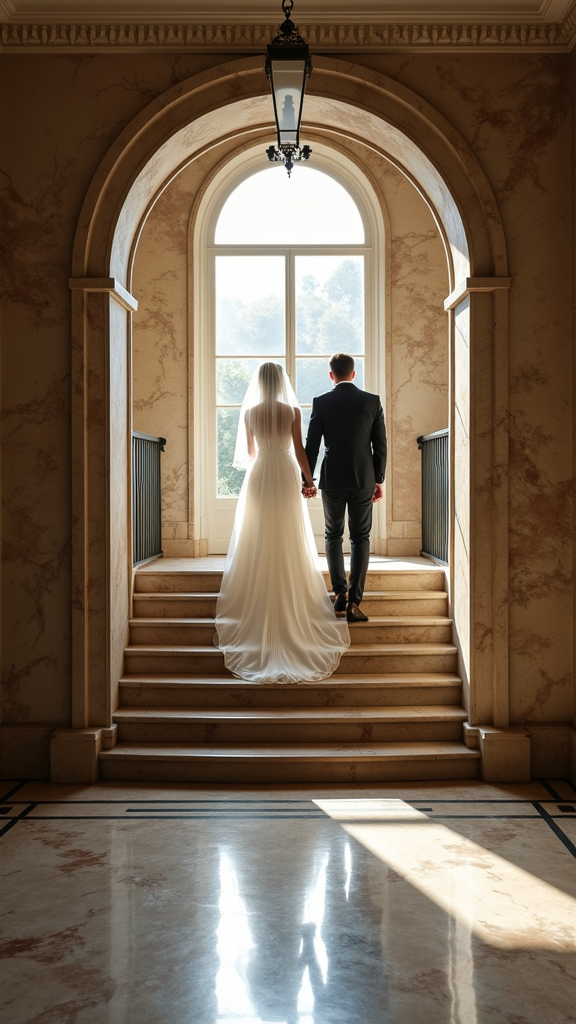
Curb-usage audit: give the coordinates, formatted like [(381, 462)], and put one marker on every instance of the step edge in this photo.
[(370, 679), (399, 712), (375, 620), (358, 649), (163, 751), (392, 594)]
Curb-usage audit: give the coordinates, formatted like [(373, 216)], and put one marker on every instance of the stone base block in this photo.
[(25, 750), (74, 755), (549, 749), (505, 753), (180, 548), (403, 548)]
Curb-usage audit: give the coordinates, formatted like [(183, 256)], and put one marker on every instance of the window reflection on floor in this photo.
[(258, 980)]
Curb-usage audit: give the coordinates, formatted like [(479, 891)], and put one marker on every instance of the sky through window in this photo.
[(309, 208)]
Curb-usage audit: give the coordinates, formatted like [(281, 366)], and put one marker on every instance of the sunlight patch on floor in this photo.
[(499, 902)]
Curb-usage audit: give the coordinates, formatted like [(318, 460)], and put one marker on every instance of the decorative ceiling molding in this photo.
[(308, 12), (323, 37)]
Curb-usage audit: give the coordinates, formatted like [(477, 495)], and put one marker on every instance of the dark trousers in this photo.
[(359, 503)]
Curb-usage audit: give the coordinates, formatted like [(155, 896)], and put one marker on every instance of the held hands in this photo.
[(309, 491)]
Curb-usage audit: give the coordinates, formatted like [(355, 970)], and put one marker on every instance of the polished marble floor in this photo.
[(399, 904)]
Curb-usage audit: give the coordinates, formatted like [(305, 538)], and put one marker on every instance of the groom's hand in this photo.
[(378, 492)]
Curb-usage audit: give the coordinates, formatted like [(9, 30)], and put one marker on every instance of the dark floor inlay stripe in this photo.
[(549, 788), (15, 789), (14, 821), (556, 828), (220, 810), (177, 816)]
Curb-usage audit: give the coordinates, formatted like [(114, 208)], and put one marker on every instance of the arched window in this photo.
[(288, 267)]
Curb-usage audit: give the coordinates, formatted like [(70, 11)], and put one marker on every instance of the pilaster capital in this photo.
[(105, 284), (475, 284)]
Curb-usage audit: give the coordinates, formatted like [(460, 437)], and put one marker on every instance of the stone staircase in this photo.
[(392, 711)]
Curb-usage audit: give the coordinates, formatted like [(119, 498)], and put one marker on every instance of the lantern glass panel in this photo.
[(288, 80)]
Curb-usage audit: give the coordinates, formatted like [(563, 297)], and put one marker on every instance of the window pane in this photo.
[(229, 479), (309, 208), (233, 377), (250, 317), (312, 378), (329, 304)]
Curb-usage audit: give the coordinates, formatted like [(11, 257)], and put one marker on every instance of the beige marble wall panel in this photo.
[(573, 101), (160, 356), (418, 343), (92, 708), (120, 553), (461, 498), (35, 516)]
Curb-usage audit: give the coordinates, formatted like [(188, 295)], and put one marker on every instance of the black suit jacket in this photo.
[(351, 422)]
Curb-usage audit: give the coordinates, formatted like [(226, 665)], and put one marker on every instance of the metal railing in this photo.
[(146, 496), (435, 508)]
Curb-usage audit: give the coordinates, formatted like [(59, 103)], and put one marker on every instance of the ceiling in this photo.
[(269, 11)]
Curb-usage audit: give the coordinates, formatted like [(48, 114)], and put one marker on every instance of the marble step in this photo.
[(380, 603), (260, 763), (208, 580), (359, 658), (290, 725), (337, 691), (409, 629)]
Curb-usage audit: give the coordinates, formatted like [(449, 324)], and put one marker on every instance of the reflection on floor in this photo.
[(435, 903)]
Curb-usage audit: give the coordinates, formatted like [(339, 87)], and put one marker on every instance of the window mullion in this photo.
[(290, 318)]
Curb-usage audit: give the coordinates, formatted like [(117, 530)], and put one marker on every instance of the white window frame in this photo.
[(203, 249)]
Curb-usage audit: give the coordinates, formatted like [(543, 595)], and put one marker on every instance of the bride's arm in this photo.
[(250, 443), (299, 448)]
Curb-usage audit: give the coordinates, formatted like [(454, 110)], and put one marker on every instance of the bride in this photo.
[(275, 622)]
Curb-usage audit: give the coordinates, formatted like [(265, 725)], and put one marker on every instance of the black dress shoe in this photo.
[(341, 601), (353, 613)]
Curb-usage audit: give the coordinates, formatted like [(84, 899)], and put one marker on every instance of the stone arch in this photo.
[(232, 101)]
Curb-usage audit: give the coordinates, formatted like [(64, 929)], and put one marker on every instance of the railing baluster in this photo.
[(146, 496), (434, 448)]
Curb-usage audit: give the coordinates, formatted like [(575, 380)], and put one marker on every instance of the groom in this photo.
[(351, 422)]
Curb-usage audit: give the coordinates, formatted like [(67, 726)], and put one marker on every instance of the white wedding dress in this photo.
[(275, 622)]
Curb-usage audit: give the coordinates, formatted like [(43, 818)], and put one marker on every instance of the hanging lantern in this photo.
[(288, 65)]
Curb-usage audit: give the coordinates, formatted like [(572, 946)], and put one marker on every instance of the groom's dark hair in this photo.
[(341, 365)]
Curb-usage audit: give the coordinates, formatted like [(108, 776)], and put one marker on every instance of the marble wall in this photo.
[(61, 113), (161, 367)]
